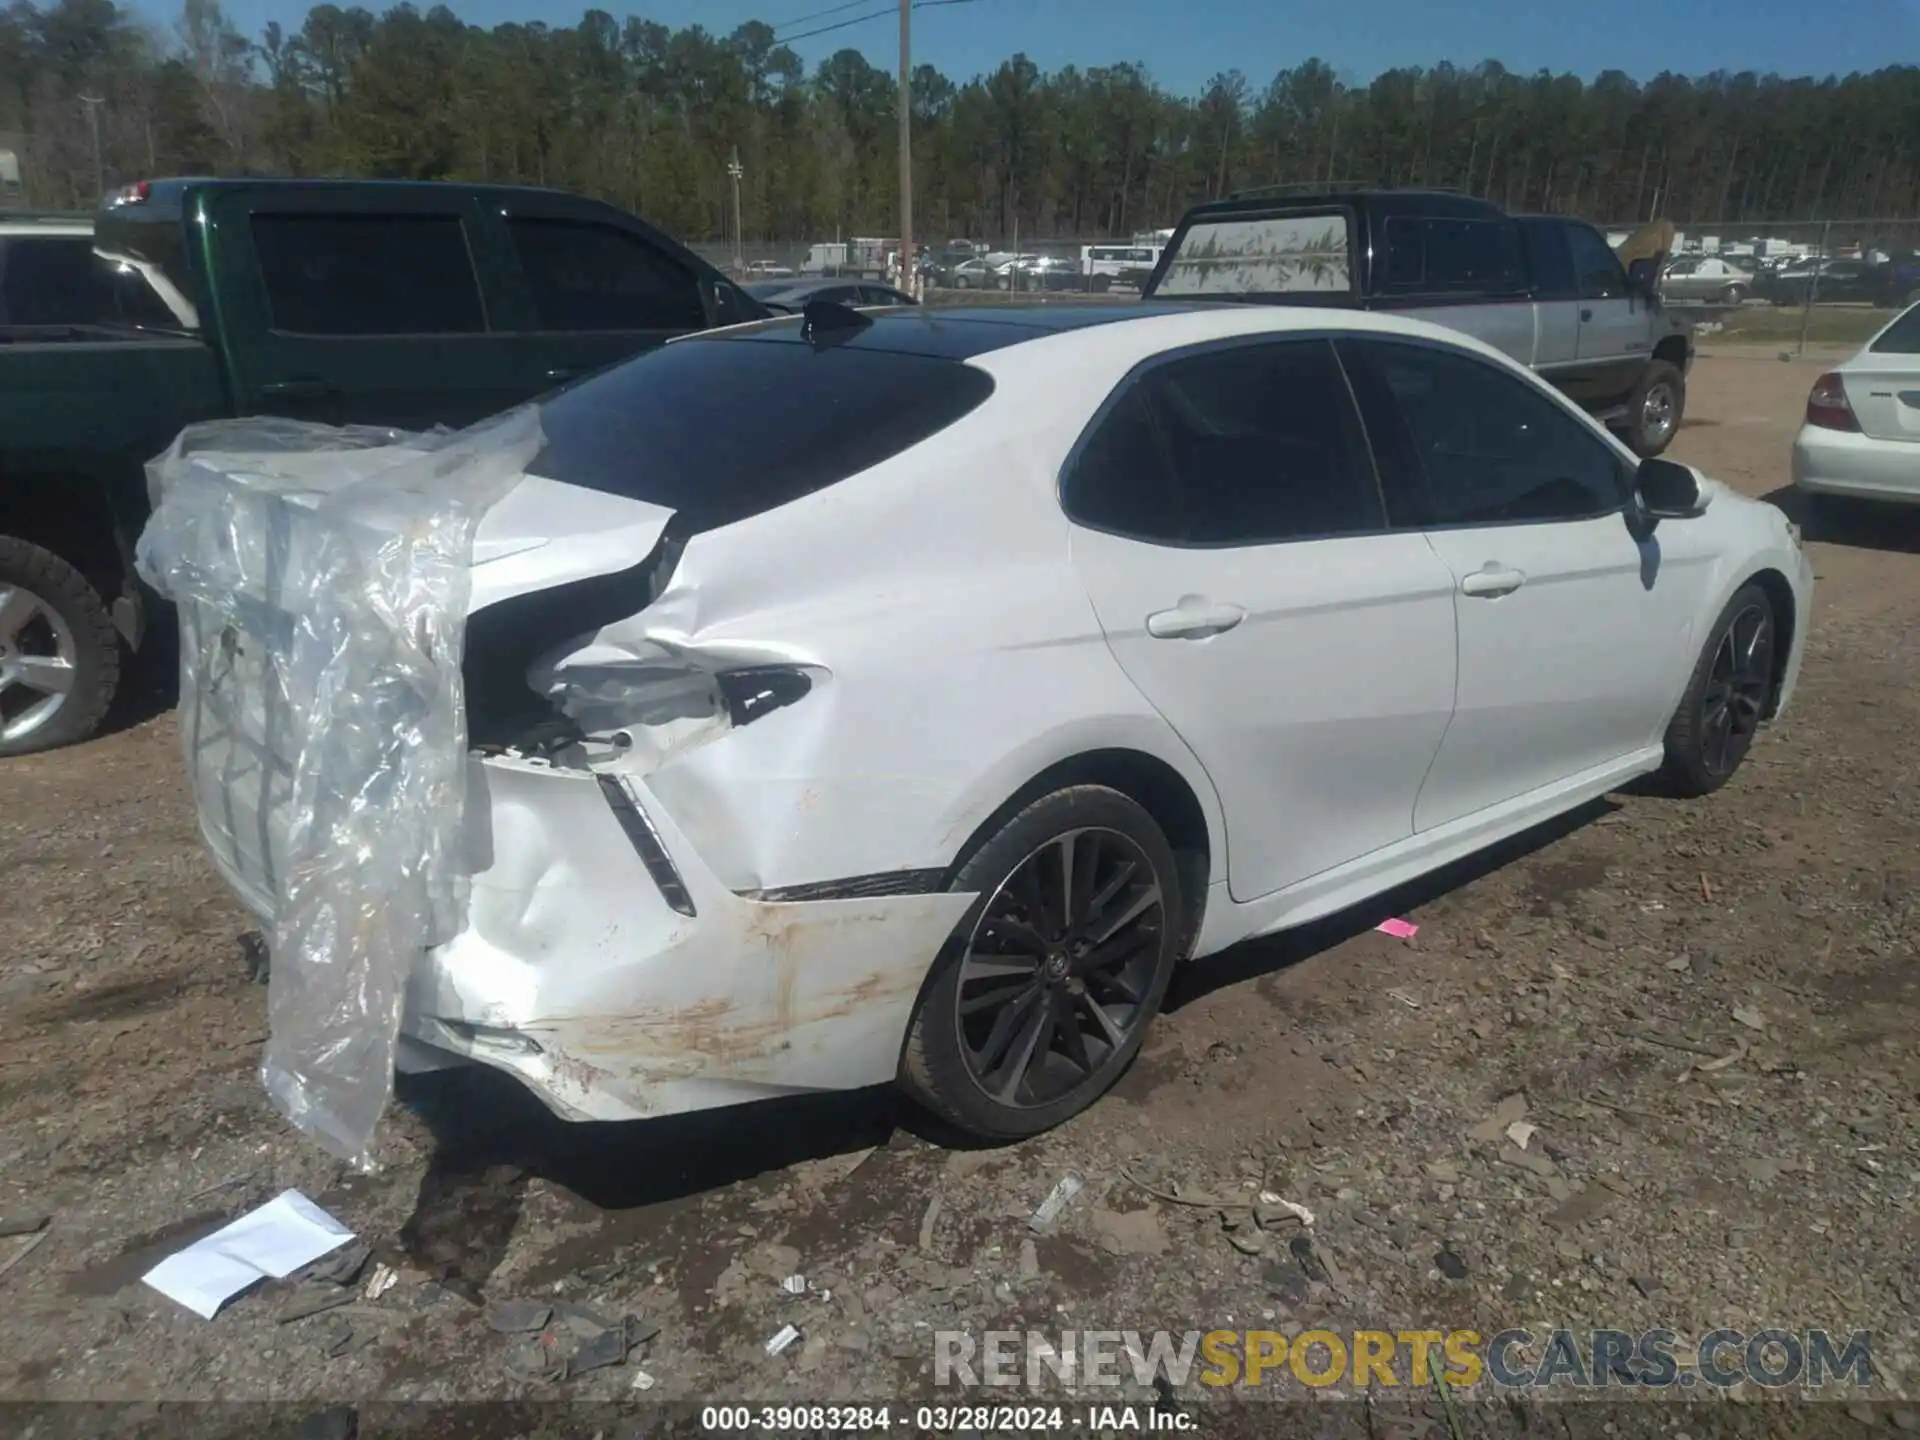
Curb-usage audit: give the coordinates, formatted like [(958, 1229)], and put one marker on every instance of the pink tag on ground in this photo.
[(1398, 929)]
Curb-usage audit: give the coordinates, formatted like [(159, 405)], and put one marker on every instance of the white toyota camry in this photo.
[(1861, 439), (905, 695)]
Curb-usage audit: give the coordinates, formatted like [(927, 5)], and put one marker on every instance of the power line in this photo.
[(857, 19), (817, 14)]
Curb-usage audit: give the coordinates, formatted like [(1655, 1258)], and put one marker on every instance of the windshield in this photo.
[(720, 428)]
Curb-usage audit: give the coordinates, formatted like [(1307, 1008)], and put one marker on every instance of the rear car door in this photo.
[(1573, 634), (1231, 535), (1615, 341), (587, 285), (358, 306)]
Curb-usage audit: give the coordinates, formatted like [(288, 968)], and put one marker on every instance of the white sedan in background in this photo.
[(1861, 439), (1009, 660)]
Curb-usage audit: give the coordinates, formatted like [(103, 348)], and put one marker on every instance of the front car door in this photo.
[(361, 307), (585, 285), (1615, 340), (1231, 535), (1573, 634)]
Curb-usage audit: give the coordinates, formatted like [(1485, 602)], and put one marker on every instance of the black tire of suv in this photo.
[(932, 1068), (1658, 372), (1685, 772), (97, 645)]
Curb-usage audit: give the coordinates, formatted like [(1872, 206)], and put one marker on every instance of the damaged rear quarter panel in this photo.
[(960, 658)]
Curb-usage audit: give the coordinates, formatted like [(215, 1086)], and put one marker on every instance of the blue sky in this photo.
[(1184, 44)]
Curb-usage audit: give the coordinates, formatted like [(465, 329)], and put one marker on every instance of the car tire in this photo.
[(1102, 284), (1652, 421), (61, 618), (1733, 295), (1012, 971), (961, 282), (1726, 697)]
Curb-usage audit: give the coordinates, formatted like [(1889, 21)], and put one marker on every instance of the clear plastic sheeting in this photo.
[(322, 579)]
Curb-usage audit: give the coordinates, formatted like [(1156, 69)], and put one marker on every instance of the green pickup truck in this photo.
[(364, 302)]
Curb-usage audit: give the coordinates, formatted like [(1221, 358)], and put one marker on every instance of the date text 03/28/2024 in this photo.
[(941, 1419)]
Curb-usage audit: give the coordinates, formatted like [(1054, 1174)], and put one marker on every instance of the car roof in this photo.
[(1110, 337), (949, 333)]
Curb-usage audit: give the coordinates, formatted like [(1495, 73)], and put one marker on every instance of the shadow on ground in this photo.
[(1860, 524)]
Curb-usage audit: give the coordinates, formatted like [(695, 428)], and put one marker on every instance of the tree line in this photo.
[(649, 118)]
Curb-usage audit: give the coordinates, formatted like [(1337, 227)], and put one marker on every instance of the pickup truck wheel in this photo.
[(59, 652), (1653, 415)]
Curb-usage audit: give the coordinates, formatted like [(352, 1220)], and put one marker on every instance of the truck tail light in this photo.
[(1828, 406)]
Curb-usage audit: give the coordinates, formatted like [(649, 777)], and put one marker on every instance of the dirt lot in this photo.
[(1590, 969)]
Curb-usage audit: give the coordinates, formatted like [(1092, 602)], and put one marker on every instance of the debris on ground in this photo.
[(1055, 1204), (643, 1381), (782, 1339), (1448, 1262), (513, 1317), (25, 1224), (1509, 1109), (383, 1279), (312, 1299), (1399, 929), (927, 1222), (1521, 1131), (33, 1243), (341, 1268), (286, 1234), (1129, 1232), (1749, 1017)]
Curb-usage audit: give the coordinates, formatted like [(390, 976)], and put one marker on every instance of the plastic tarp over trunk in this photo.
[(322, 579)]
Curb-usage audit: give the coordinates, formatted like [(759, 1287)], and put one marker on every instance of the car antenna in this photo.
[(828, 322)]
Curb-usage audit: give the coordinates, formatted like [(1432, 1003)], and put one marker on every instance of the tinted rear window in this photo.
[(1902, 337), (1441, 254), (721, 429)]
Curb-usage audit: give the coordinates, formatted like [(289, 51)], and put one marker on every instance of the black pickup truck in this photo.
[(1546, 289), (386, 303)]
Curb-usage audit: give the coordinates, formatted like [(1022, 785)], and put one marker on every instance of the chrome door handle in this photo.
[(1492, 581), (1193, 620)]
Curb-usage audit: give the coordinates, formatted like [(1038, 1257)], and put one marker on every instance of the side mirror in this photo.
[(1642, 277), (1668, 490)]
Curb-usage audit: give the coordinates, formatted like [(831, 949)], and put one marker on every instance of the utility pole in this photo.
[(735, 171), (93, 104), (907, 276)]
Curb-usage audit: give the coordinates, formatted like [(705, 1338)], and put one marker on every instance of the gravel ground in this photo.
[(1704, 1011)]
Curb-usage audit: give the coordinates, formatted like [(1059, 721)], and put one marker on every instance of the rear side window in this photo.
[(390, 274), (48, 280), (718, 430), (1441, 255), (595, 277), (1902, 337), (1249, 445)]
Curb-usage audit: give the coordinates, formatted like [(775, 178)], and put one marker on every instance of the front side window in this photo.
[(1248, 445), (1547, 259), (389, 274), (596, 277), (1595, 265), (1466, 444)]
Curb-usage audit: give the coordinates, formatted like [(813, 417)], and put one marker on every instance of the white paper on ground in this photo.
[(277, 1239)]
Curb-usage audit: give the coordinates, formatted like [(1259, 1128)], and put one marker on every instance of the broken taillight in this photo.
[(1828, 406), (753, 693)]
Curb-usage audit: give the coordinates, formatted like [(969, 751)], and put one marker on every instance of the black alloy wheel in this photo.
[(1726, 699), (1052, 979)]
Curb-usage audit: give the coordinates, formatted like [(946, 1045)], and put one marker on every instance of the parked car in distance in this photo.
[(1106, 266), (985, 272), (1861, 438), (758, 270), (1546, 289), (1696, 277), (1047, 272), (792, 295), (370, 302), (1838, 281), (1900, 279), (694, 694)]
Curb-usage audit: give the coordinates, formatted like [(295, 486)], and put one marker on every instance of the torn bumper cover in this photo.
[(605, 965), (548, 919)]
